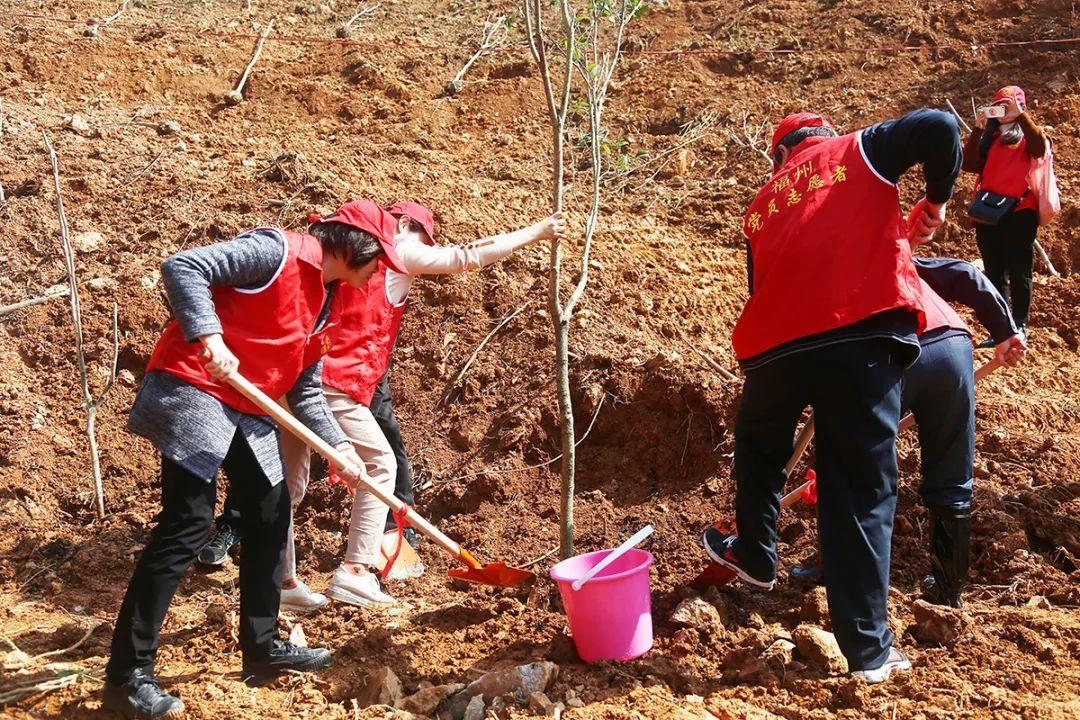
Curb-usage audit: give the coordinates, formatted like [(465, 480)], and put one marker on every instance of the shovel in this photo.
[(717, 574), (497, 574)]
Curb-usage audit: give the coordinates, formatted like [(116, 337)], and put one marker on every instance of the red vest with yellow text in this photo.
[(368, 327), (269, 329), (939, 314), (1006, 171), (827, 240)]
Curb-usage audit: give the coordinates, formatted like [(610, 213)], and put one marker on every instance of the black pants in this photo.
[(939, 390), (383, 410), (854, 388), (187, 509), (1007, 251)]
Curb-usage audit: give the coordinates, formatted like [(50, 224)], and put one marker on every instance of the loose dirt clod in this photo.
[(820, 648)]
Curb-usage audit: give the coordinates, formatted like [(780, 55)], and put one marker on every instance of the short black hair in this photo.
[(795, 137), (356, 247)]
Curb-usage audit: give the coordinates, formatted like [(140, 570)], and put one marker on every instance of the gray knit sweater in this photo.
[(185, 424)]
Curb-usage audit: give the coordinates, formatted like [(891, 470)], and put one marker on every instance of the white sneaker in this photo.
[(363, 590), (895, 661), (301, 599)]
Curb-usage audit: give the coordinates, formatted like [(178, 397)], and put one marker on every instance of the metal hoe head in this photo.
[(713, 574)]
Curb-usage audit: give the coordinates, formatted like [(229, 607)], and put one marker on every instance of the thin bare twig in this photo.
[(959, 119), (146, 169), (752, 137), (1046, 259), (540, 559), (8, 309), (236, 95), (75, 646), (724, 372), (345, 29), (495, 33), (93, 30), (468, 363), (62, 680), (92, 403)]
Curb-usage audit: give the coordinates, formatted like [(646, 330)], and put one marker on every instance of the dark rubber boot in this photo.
[(950, 539)]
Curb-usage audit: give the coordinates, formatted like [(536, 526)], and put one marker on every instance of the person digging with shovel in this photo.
[(939, 391), (831, 322), (355, 381), (260, 303)]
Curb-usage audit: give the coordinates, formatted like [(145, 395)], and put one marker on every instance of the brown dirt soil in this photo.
[(324, 121)]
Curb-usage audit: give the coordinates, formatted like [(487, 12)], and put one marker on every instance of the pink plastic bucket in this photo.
[(611, 615)]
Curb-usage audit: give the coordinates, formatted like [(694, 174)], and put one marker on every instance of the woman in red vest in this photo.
[(357, 361), (259, 304), (1001, 152)]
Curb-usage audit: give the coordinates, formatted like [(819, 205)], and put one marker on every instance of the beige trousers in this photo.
[(368, 512)]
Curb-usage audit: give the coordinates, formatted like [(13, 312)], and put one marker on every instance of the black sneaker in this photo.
[(721, 549), (412, 537), (141, 697), (214, 552), (284, 656)]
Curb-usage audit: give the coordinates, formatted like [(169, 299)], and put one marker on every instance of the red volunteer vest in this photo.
[(1005, 173), (939, 314), (269, 329), (827, 239), (368, 327)]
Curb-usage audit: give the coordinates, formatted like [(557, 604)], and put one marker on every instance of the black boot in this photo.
[(950, 537)]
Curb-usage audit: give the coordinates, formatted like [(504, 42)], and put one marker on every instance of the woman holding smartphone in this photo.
[(1000, 151)]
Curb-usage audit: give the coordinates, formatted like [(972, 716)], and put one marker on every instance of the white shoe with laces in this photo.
[(302, 599), (363, 590), (896, 660)]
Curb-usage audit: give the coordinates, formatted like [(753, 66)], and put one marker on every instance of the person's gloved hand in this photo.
[(350, 474), (924, 220), (1010, 351), (219, 359)]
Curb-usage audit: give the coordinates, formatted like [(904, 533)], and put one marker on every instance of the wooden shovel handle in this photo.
[(286, 420)]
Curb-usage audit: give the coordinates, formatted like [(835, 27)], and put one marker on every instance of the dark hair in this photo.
[(354, 246), (990, 132), (795, 137)]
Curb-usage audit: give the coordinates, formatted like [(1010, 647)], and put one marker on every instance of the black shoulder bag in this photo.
[(988, 207)]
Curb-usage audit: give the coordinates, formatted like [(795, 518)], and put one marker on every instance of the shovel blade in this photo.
[(498, 574), (713, 574)]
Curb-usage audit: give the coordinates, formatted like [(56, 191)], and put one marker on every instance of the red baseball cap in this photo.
[(797, 121), (1013, 91), (368, 216), (417, 212)]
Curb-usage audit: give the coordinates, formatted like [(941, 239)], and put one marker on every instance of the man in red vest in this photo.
[(1001, 151), (831, 322), (259, 304)]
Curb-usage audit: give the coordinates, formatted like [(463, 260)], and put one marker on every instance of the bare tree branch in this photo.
[(468, 363), (494, 34), (236, 95)]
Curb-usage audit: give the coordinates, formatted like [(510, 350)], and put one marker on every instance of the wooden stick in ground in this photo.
[(93, 404), (236, 95), (724, 372), (1046, 259), (345, 29), (468, 363), (92, 31), (495, 32), (8, 309), (967, 128)]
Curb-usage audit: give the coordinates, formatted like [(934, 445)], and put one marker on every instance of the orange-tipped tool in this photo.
[(717, 574), (498, 574)]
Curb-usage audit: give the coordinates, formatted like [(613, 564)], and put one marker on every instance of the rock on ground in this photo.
[(424, 701), (936, 623), (815, 608), (820, 648), (87, 241), (697, 613), (520, 682), (475, 709), (380, 687)]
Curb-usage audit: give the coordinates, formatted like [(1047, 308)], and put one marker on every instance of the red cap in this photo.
[(1013, 91), (417, 212), (368, 216), (795, 122)]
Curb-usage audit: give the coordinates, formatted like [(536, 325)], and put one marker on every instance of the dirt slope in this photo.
[(327, 120)]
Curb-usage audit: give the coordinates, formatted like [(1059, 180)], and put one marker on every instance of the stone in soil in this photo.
[(380, 687), (520, 682), (696, 613), (425, 700), (815, 608), (936, 623), (475, 709), (820, 648)]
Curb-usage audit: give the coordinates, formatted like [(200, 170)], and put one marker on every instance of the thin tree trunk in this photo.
[(99, 486)]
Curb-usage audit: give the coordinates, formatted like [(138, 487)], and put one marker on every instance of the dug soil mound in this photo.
[(325, 119)]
